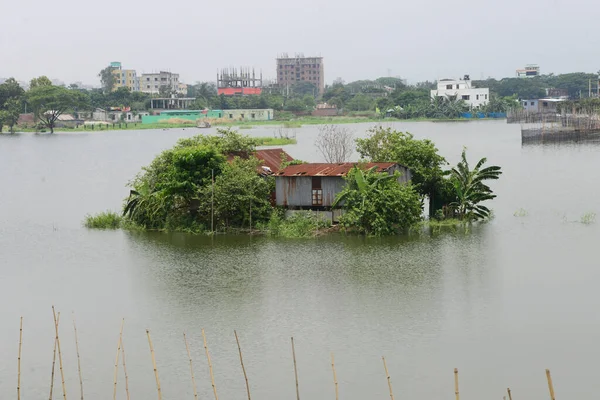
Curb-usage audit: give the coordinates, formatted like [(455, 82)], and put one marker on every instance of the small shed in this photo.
[(315, 186)]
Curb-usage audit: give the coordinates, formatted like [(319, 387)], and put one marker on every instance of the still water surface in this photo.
[(501, 303)]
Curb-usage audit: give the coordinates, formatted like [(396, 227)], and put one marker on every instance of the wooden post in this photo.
[(154, 365), (509, 393), (212, 203), (550, 385), (78, 358), (19, 360), (60, 364), (125, 368), (210, 369), (295, 370), (242, 362), (56, 321), (191, 366), (117, 361), (335, 382), (456, 393), (387, 374)]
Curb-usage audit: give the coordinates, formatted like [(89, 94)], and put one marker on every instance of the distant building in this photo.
[(541, 105), (529, 71), (462, 90), (325, 110), (124, 77), (291, 70), (182, 89), (151, 83), (242, 82)]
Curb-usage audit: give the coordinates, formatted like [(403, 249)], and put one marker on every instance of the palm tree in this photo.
[(471, 190)]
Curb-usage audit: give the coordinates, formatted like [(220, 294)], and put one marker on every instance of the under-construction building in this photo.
[(291, 70), (243, 81)]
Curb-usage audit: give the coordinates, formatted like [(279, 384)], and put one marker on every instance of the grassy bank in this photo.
[(294, 123)]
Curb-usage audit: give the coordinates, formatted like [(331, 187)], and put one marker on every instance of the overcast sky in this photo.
[(72, 40)]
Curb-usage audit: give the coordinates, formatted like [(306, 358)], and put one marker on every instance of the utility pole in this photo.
[(212, 204), (590, 88)]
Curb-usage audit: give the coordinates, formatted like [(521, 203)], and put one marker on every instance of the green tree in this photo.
[(295, 105), (165, 91), (50, 102), (107, 79), (9, 116), (360, 102), (377, 204), (303, 88), (10, 89), (470, 189), (420, 156), (241, 196), (40, 81)]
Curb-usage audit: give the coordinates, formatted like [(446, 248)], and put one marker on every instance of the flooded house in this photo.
[(315, 186)]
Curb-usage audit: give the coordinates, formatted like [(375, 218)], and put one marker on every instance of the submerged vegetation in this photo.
[(214, 183), (103, 220)]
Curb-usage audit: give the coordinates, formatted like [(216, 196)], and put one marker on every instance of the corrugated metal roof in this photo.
[(335, 169), (272, 158)]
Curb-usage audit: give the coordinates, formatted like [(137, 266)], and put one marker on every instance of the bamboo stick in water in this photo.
[(78, 358), (456, 392), (60, 363), (550, 385), (56, 321), (187, 347), (125, 368), (210, 369), (19, 360), (509, 393), (242, 362), (387, 374), (335, 382), (295, 370), (116, 374), (154, 365)]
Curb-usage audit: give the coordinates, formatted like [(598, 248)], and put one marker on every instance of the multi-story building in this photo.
[(291, 70), (124, 77), (461, 89), (151, 83), (529, 71)]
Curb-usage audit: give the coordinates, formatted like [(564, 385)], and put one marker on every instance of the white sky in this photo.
[(72, 40)]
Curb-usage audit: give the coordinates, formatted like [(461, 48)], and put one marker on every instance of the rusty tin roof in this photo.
[(334, 169), (272, 158)]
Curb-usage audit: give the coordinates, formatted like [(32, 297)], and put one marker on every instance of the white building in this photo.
[(461, 89), (151, 83)]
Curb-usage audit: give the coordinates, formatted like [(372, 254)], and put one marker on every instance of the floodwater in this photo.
[(501, 302)]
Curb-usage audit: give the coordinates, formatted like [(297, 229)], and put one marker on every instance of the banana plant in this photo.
[(470, 188), (363, 182)]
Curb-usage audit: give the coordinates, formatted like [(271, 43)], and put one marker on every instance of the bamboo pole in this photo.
[(60, 364), (387, 374), (187, 347), (116, 374), (456, 392), (550, 385), (154, 365), (56, 321), (19, 360), (78, 358), (509, 393), (125, 368), (335, 382), (210, 369), (295, 370), (242, 362)]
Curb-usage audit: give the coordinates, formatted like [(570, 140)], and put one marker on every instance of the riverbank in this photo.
[(293, 123)]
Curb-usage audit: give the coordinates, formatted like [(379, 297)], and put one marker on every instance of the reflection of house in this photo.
[(461, 90), (315, 186)]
